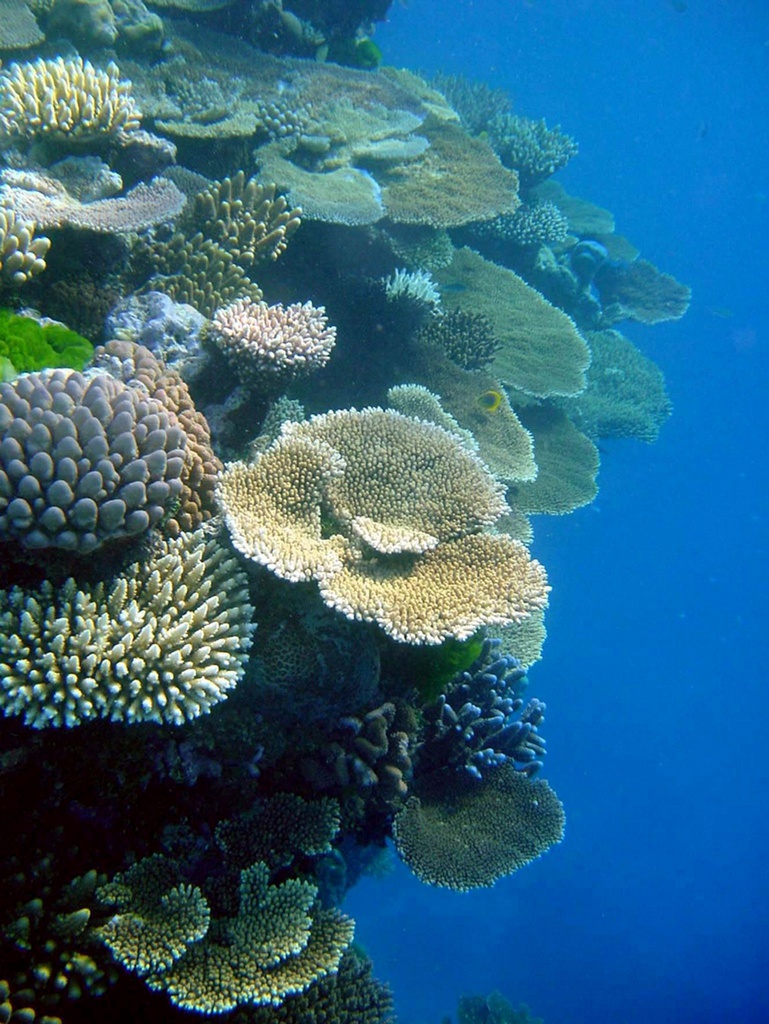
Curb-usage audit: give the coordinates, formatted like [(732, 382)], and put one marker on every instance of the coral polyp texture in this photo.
[(262, 341), (464, 833), (65, 99), (163, 642), (84, 460), (22, 254), (386, 512), (247, 218), (278, 943)]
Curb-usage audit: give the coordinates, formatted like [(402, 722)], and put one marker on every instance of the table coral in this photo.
[(463, 833)]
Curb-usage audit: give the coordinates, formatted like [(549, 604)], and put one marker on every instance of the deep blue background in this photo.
[(655, 906)]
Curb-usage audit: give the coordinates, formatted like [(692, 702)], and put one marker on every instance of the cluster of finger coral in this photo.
[(462, 833), (369, 752), (84, 460), (65, 98), (267, 341), (22, 253), (247, 218), (481, 721), (388, 514), (278, 943), (164, 641), (530, 147)]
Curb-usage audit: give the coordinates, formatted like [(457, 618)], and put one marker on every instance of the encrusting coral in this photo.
[(404, 502), (163, 642)]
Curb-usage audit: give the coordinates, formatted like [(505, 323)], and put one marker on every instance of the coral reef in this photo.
[(263, 342), (462, 833), (22, 255), (468, 339), (530, 147), (164, 642), (65, 99), (84, 461)]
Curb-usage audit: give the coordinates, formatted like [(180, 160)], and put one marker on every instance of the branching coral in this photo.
[(530, 147), (65, 99), (22, 254), (273, 342), (246, 218), (163, 642)]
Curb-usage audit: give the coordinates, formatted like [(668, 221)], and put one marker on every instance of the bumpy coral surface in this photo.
[(84, 461), (22, 255), (164, 642)]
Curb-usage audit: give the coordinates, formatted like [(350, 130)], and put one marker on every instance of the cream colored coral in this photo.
[(477, 580), (263, 341), (404, 478), (66, 98), (273, 507), (277, 944), (386, 513), (22, 255), (164, 642)]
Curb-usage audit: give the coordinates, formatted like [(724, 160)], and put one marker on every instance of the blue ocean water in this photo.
[(655, 905)]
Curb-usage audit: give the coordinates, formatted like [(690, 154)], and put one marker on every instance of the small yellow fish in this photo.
[(490, 400)]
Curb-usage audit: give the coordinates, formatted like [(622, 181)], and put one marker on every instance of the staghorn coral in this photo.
[(403, 501), (277, 944), (530, 147), (480, 721), (279, 342), (246, 218), (468, 339), (196, 503), (22, 254), (639, 291), (625, 394), (197, 271), (278, 829), (84, 460), (568, 464), (154, 916), (541, 351), (463, 833), (65, 100), (532, 225), (476, 102), (163, 642)]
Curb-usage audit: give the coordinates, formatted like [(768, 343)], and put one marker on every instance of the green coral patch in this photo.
[(27, 345)]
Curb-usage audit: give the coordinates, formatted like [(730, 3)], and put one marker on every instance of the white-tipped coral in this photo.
[(164, 642), (66, 99), (262, 341)]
